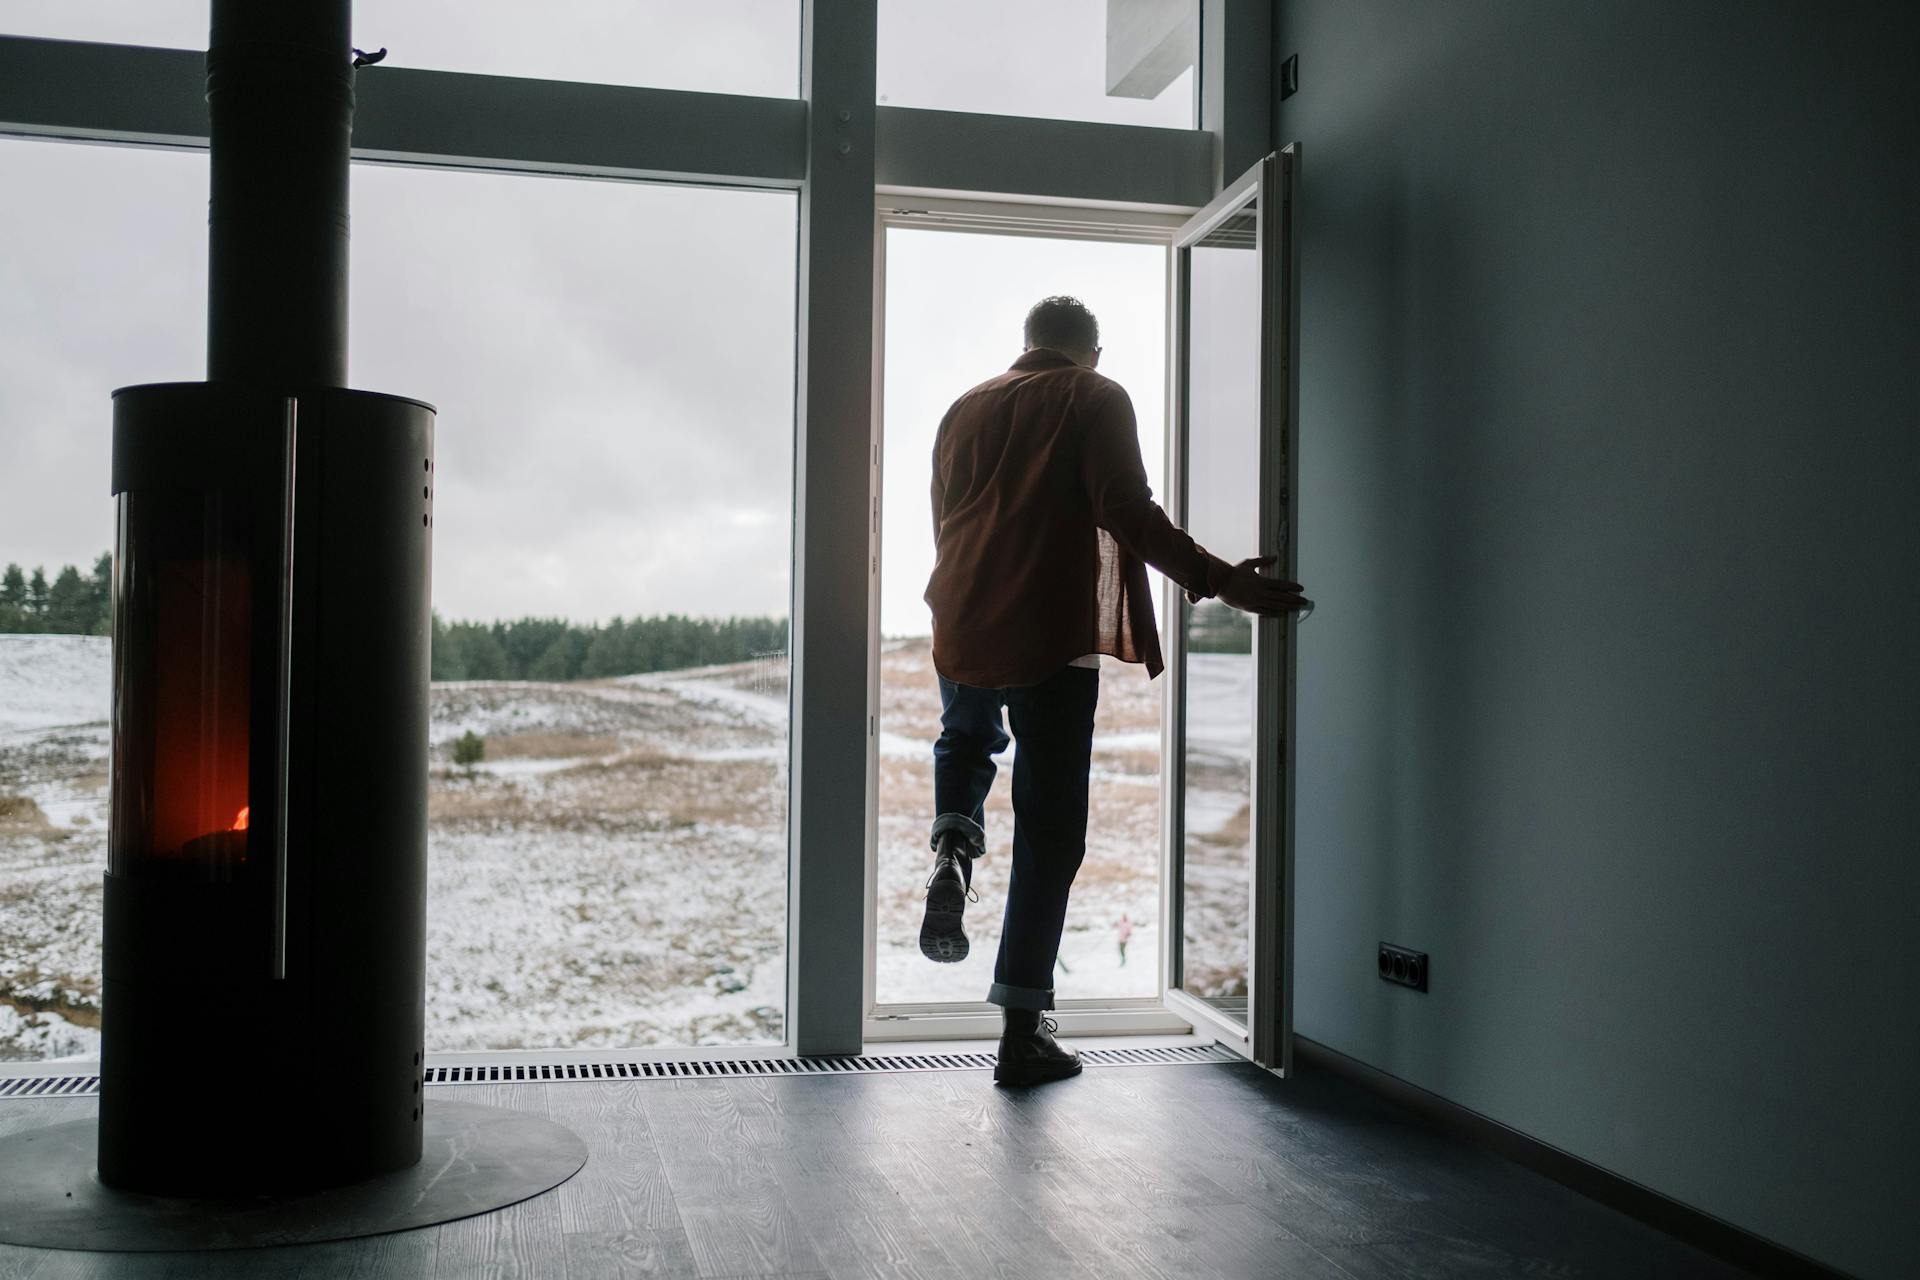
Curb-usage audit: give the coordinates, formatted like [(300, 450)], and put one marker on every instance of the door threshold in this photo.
[(982, 1022), (975, 1044)]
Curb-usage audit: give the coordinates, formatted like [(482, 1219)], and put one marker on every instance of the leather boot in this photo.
[(943, 934), (1028, 1052)]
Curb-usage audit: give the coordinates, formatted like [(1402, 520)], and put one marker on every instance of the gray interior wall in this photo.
[(1608, 451)]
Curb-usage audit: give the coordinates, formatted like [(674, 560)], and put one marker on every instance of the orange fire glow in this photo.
[(240, 819)]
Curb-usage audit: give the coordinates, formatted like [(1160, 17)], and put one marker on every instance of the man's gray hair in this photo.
[(1062, 323)]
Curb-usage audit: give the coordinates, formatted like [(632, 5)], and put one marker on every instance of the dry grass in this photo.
[(455, 798), (683, 792), (641, 786), (1141, 762), (551, 745), (1207, 773), (20, 816), (22, 991), (1098, 872), (20, 811), (1233, 834)]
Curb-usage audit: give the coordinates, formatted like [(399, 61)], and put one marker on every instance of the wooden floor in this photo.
[(1126, 1171)]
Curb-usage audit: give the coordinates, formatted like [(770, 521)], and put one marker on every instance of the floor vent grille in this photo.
[(862, 1064), (695, 1069), (50, 1087)]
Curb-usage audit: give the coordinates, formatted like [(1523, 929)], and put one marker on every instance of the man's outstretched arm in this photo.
[(1123, 505)]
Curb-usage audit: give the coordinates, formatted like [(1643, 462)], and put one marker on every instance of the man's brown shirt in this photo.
[(1043, 525)]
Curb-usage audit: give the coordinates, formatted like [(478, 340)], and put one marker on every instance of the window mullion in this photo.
[(833, 479)]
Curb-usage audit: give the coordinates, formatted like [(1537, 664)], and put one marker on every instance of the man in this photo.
[(1043, 528)]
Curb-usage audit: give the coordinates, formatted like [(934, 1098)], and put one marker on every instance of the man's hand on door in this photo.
[(1250, 591)]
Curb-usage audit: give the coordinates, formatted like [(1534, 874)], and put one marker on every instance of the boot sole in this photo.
[(1034, 1073), (943, 937)]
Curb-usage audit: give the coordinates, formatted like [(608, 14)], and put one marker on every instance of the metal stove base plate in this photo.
[(477, 1159)]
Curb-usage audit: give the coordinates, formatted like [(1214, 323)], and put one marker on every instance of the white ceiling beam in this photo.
[(1149, 43)]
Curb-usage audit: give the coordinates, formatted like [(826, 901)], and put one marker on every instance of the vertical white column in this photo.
[(833, 478)]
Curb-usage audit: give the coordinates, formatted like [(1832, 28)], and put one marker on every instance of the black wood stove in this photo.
[(266, 886), (261, 1057)]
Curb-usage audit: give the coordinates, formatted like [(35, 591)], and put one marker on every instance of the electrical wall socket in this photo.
[(1404, 966)]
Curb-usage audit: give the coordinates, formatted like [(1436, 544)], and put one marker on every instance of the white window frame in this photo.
[(836, 148)]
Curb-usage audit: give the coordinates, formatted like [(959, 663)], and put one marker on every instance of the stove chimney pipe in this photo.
[(280, 105)]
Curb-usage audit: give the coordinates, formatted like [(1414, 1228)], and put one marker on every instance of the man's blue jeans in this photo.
[(1053, 727)]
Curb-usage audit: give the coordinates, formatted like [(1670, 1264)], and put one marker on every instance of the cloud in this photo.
[(613, 362)]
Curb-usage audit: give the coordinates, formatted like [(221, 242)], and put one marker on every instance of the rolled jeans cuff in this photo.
[(976, 837), (1020, 997)]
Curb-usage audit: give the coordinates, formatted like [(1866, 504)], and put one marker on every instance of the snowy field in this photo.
[(614, 872), (53, 842)]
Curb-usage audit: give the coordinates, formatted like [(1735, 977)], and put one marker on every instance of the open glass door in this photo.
[(1230, 784)]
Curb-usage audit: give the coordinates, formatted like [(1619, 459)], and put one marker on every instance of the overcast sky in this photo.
[(958, 55), (955, 306), (613, 362)]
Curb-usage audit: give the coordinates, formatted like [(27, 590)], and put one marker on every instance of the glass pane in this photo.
[(183, 672), (1114, 61), (169, 24), (1223, 513), (106, 287), (613, 364), (954, 309), (715, 46)]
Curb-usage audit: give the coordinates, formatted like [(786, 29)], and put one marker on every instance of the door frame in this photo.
[(1267, 1037), (1140, 1015)]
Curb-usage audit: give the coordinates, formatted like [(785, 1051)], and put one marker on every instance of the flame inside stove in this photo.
[(240, 819)]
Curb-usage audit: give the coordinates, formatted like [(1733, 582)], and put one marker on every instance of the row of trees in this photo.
[(74, 603), (1214, 627), (553, 649)]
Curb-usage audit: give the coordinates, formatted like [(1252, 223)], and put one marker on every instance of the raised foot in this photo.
[(943, 935)]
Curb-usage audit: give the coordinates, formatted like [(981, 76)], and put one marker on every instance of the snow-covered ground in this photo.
[(53, 842), (614, 871), (1221, 716), (54, 680)]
